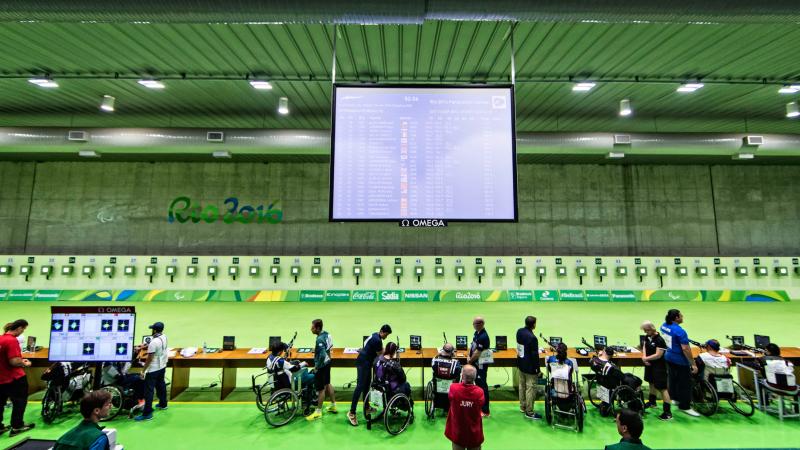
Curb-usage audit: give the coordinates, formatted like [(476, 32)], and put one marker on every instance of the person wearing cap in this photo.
[(445, 367), (712, 358), (528, 367), (155, 367)]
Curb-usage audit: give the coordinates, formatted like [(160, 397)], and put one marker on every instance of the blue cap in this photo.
[(713, 344), (158, 326)]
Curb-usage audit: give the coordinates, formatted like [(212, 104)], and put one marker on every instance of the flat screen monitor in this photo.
[(415, 342), (555, 340), (91, 333), (599, 341), (501, 342), (737, 340), (761, 341), (461, 342), (423, 152)]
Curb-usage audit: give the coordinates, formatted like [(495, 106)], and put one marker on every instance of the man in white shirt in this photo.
[(153, 372)]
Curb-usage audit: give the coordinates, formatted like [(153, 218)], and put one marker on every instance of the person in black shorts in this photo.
[(655, 368), (365, 361)]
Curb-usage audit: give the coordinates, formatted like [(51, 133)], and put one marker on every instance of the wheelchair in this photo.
[(435, 395), (610, 390), (67, 383), (562, 398), (395, 409), (280, 406), (712, 385)]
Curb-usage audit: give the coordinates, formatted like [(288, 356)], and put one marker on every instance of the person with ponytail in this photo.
[(13, 382), (560, 366), (680, 362)]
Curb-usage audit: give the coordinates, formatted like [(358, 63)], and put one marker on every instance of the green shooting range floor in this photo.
[(232, 424)]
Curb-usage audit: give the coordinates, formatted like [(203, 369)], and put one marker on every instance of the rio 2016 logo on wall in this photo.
[(182, 210)]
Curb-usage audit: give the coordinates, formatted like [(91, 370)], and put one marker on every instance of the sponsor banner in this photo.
[(520, 296), (3, 295), (571, 296), (337, 296), (364, 296), (598, 296), (312, 296), (473, 296), (626, 296), (21, 295), (672, 296), (390, 296), (417, 296), (546, 296)]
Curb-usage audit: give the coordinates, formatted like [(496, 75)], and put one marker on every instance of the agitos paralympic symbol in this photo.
[(182, 210)]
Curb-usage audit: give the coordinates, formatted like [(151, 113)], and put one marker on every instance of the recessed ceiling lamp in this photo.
[(690, 87), (625, 109), (107, 104), (152, 84), (43, 82), (261, 85), (789, 89), (583, 87), (792, 110), (283, 105)]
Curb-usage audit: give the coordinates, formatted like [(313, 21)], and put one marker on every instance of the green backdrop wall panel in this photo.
[(121, 208)]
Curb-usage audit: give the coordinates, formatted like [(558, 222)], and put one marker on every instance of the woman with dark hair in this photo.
[(13, 382), (389, 371), (559, 365), (680, 362)]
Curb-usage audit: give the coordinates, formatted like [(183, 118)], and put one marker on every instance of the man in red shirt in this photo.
[(13, 383), (464, 423)]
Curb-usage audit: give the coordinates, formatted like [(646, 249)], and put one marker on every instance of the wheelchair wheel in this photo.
[(591, 391), (398, 414), (51, 404), (580, 407), (428, 395), (704, 398), (116, 402), (281, 407), (625, 397), (741, 401), (548, 408), (263, 395)]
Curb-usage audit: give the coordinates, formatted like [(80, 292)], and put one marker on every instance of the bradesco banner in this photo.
[(338, 295)]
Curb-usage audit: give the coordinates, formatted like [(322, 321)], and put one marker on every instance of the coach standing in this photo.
[(480, 344), (528, 367), (13, 382)]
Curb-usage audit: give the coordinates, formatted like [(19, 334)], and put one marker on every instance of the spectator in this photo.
[(13, 382), (88, 435), (630, 427), (464, 425)]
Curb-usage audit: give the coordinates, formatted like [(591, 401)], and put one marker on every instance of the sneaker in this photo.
[(315, 415), (162, 408), (143, 417), (351, 417), (522, 410), (3, 429), (674, 402), (533, 416), (485, 415), (665, 416), (650, 405), (691, 412), (16, 431), (332, 409)]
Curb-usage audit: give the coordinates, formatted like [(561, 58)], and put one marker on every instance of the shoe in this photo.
[(691, 412), (522, 410), (665, 416), (650, 405), (351, 417), (484, 415), (674, 402), (332, 409), (143, 417), (315, 415), (162, 408), (16, 431), (3, 429), (533, 416)]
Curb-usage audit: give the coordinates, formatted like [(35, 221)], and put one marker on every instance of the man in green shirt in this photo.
[(322, 369), (88, 435), (630, 427)]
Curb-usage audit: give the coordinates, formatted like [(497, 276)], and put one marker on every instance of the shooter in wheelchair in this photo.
[(713, 382), (446, 371), (563, 400), (610, 389), (389, 398), (289, 387)]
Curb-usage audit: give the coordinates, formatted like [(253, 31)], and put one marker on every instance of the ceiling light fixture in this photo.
[(625, 109), (43, 82), (789, 89), (792, 110), (152, 84), (107, 104), (283, 105), (261, 85), (690, 87), (583, 87)]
